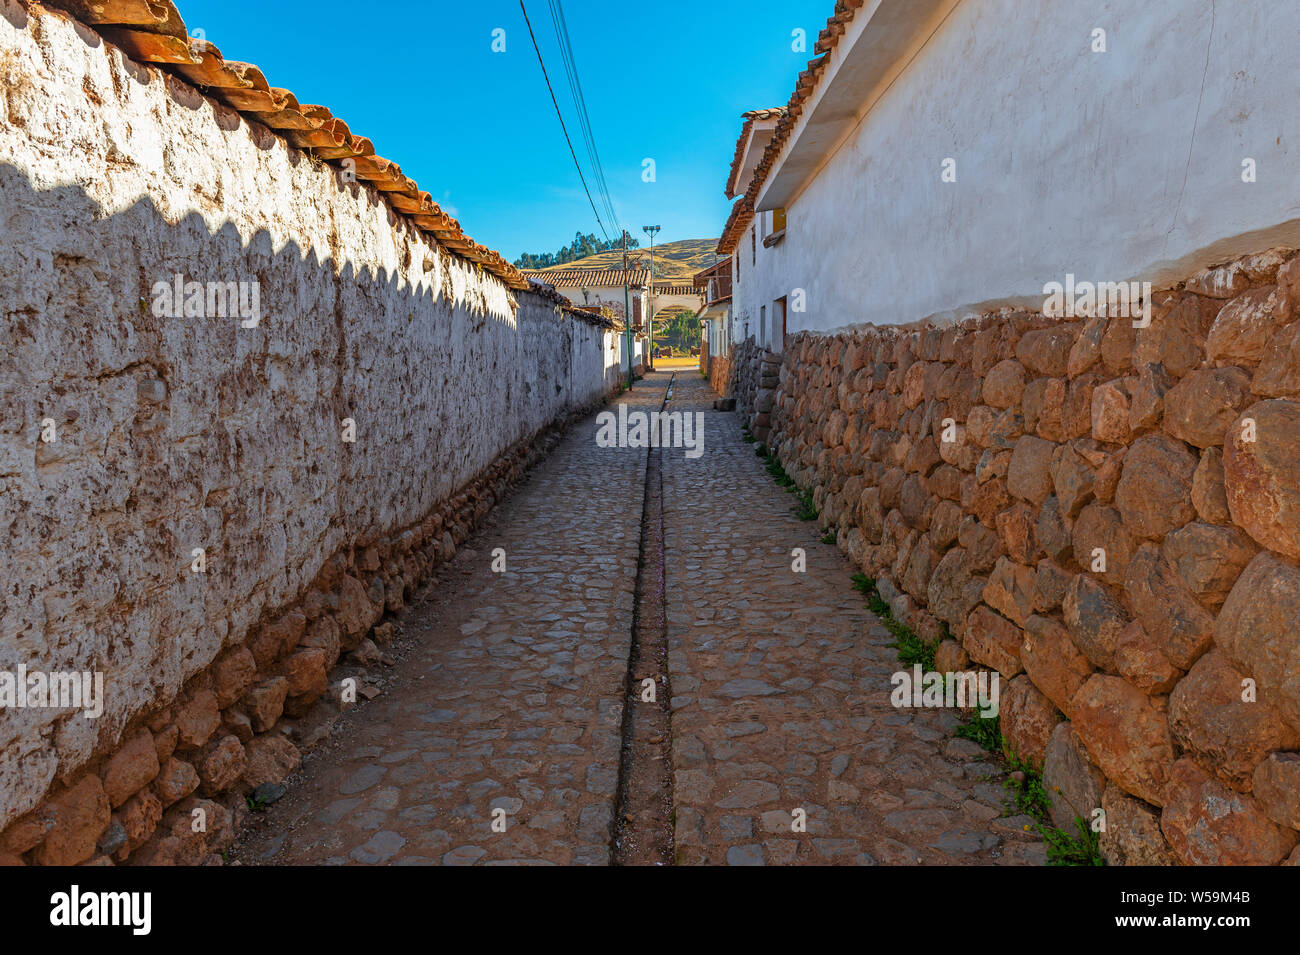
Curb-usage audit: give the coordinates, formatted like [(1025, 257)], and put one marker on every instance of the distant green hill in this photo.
[(675, 262)]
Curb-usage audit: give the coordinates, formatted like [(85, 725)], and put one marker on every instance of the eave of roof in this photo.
[(589, 278), (742, 142), (152, 32), (827, 41)]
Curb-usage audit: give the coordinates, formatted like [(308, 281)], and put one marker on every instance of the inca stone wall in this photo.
[(323, 458), (1113, 524)]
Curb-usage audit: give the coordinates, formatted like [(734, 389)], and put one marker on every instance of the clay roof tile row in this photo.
[(153, 32), (743, 210), (590, 278), (749, 117)]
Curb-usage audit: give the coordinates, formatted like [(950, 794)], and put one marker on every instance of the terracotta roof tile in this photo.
[(827, 41), (749, 117), (153, 32), (590, 278)]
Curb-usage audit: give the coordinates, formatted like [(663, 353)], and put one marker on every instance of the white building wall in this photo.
[(1114, 166), (763, 278)]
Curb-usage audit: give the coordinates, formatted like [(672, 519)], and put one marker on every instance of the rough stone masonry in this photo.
[(209, 514), (1108, 516)]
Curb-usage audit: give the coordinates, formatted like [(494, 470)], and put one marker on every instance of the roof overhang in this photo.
[(876, 47), (754, 137)]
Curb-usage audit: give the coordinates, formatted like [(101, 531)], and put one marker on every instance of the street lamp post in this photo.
[(627, 313), (651, 230)]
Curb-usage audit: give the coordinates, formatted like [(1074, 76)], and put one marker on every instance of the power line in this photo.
[(561, 118), (580, 104)]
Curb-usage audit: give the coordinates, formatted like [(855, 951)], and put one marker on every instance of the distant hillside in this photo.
[(675, 262)]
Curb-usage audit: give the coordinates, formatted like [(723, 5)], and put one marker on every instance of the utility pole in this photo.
[(651, 230), (627, 313)]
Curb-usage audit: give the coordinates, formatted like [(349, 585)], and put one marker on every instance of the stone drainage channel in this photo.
[(643, 819)]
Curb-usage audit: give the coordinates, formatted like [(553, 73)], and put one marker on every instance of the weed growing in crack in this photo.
[(1065, 849), (911, 648), (828, 537), (256, 803), (805, 509), (984, 731), (1029, 796)]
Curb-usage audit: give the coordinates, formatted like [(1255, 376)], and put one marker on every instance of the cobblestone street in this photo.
[(509, 696)]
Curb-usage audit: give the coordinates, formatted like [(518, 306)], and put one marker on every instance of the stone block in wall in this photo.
[(1095, 618), (1072, 478), (1278, 374), (1027, 720), (1101, 543), (1076, 412), (1029, 474), (1073, 782), (1201, 407), (1126, 734), (1207, 823), (1243, 327), (1046, 351), (953, 591), (1220, 282), (1132, 834), (1052, 661), (1208, 559), (1228, 735), (1140, 660), (232, 674), (1209, 493), (175, 780), (265, 702), (1147, 396), (982, 546), (1010, 591), (1256, 630), (1085, 351), (197, 718), (993, 640), (1277, 788), (1261, 463), (1154, 492), (1111, 407), (138, 820), (221, 766), (1054, 531), (1050, 583), (77, 817), (269, 759), (1004, 384), (1176, 334), (131, 768), (1175, 619), (1017, 533)]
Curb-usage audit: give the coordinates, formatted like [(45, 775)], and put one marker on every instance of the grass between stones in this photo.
[(804, 508), (1024, 785), (911, 648), (1026, 792)]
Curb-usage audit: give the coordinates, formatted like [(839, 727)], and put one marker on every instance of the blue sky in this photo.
[(666, 80)]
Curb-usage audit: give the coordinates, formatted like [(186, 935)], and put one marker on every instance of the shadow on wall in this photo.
[(135, 437)]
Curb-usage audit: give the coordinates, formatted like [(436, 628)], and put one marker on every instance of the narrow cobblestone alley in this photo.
[(510, 695)]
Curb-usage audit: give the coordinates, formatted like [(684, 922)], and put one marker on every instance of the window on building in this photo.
[(753, 246), (762, 324), (778, 220)]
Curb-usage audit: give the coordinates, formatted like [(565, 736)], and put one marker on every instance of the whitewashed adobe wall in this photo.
[(1114, 166), (183, 433)]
